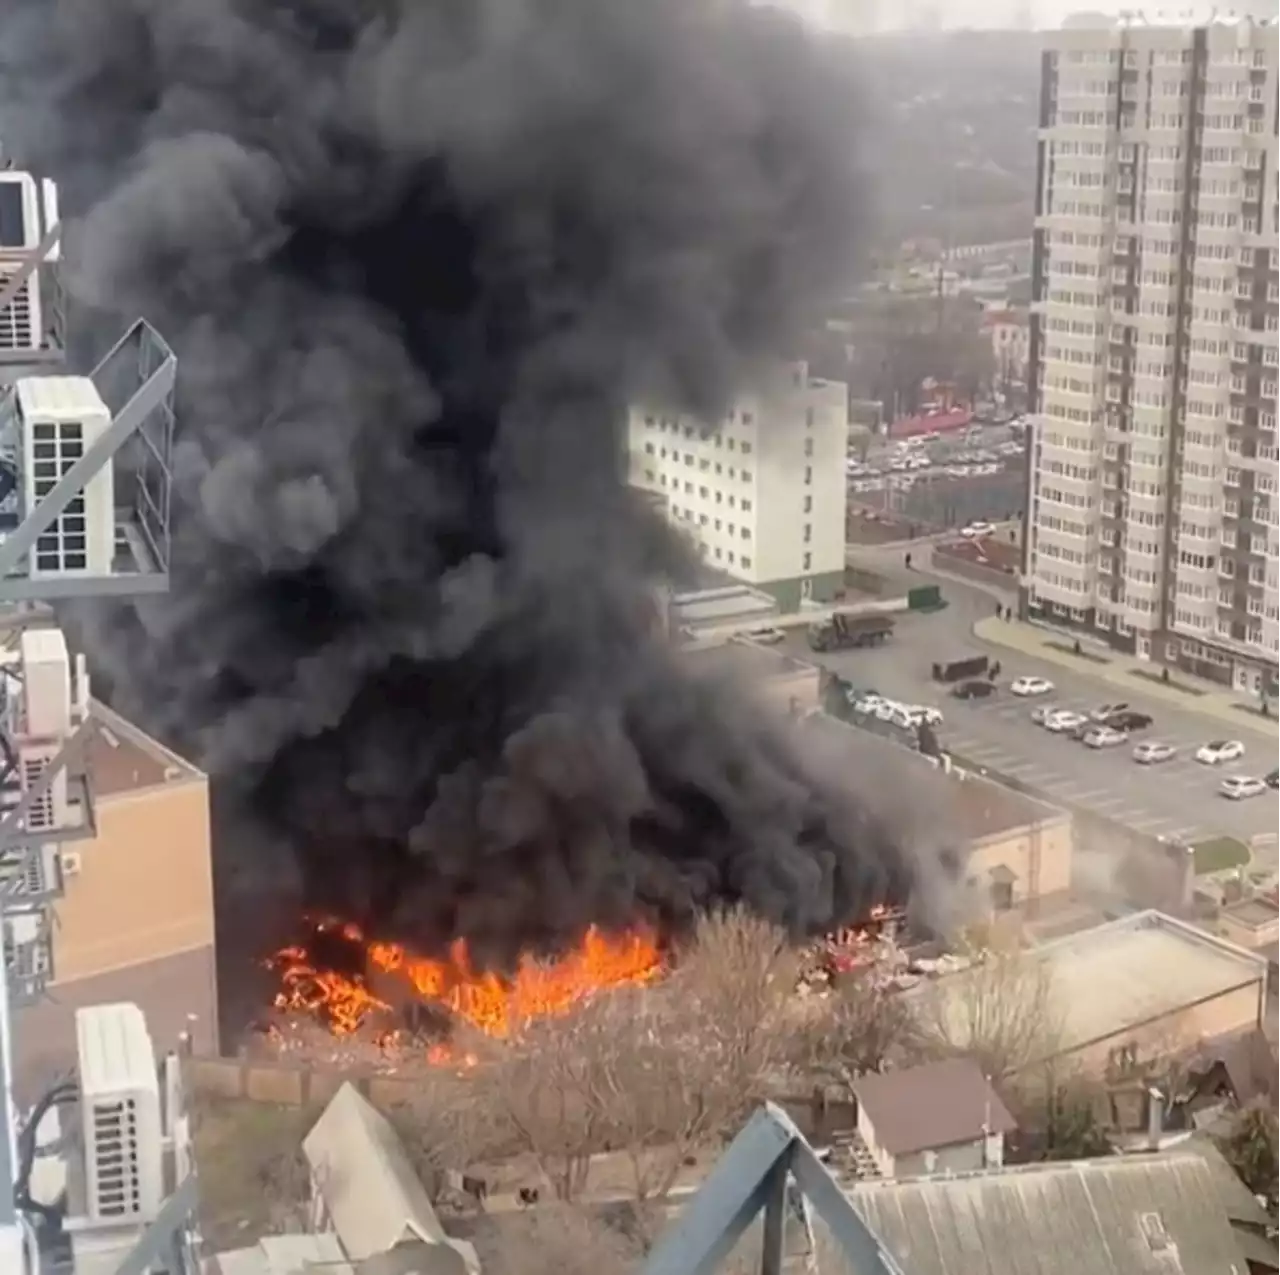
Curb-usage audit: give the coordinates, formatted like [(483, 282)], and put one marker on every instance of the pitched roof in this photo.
[(1159, 1214), (934, 1105)]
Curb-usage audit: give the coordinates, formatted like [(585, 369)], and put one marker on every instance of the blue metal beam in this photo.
[(750, 1178)]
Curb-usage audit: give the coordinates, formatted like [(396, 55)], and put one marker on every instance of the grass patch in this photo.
[(1091, 656), (253, 1176), (1219, 854), (1172, 683)]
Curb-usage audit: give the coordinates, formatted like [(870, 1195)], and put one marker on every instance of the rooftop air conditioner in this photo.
[(120, 1110), (28, 211)]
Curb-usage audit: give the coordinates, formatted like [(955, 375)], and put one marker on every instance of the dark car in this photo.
[(1272, 779), (974, 689), (1127, 720)]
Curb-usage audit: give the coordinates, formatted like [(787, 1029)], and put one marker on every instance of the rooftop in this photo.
[(742, 658), (1257, 913), (1117, 976), (1178, 1212), (935, 1105), (982, 809), (122, 759)]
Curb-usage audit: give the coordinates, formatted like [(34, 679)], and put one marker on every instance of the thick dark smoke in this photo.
[(416, 259)]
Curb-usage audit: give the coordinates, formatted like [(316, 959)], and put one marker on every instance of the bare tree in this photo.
[(1001, 1011), (864, 1025), (657, 1073)]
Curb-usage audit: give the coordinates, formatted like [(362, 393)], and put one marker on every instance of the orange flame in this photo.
[(495, 1004)]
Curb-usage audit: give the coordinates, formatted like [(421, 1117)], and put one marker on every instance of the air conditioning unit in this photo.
[(28, 211), (69, 863), (120, 1111)]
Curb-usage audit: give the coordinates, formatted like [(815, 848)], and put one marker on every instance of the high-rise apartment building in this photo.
[(762, 493), (1151, 511)]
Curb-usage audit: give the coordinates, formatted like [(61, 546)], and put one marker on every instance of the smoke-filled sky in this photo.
[(415, 258)]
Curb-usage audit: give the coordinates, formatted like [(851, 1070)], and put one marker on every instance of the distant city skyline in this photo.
[(867, 17)]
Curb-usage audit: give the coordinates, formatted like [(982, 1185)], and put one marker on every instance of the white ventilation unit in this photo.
[(59, 419), (70, 863), (28, 210), (120, 1110)]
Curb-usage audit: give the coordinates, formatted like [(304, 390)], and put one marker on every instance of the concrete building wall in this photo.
[(797, 690), (1232, 1011), (959, 1157), (762, 493), (1038, 856), (145, 886)]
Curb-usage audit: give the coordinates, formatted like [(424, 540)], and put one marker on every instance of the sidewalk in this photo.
[(1132, 676)]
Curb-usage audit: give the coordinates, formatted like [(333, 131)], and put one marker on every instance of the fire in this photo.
[(495, 1004)]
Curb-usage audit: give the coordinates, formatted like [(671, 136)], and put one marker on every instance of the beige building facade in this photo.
[(135, 921)]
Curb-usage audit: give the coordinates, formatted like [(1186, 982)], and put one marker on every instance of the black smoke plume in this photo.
[(416, 260)]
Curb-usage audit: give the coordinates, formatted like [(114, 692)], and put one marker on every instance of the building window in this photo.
[(808, 504), (807, 562), (808, 475), (808, 532)]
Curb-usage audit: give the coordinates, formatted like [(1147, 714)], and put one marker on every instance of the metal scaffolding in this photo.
[(757, 1177)]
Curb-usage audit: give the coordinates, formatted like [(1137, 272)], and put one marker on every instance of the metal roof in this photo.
[(1158, 1214), (935, 1105)]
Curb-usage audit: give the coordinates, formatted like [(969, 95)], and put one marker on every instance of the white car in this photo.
[(915, 714), (1238, 787), (1217, 751), (976, 530), (767, 637), (868, 704), (1031, 686), (1064, 721), (1105, 711), (1042, 712), (1153, 752), (1104, 737)]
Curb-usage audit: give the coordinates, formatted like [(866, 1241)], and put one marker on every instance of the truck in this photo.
[(843, 632), (960, 670)]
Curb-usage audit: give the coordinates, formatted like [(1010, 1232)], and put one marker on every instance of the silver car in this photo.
[(1153, 752)]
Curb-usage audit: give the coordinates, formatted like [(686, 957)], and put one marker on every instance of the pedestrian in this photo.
[(908, 561), (999, 611)]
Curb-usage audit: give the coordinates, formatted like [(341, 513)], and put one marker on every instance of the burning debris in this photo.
[(349, 982)]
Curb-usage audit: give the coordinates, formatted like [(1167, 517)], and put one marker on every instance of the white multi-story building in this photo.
[(1152, 486), (761, 493)]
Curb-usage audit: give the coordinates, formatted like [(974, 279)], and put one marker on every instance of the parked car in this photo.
[(1031, 686), (1104, 737), (978, 530), (1064, 721), (1153, 752), (767, 637), (1272, 779), (1217, 751), (1104, 712), (1042, 711), (974, 689), (1238, 787), (1128, 721)]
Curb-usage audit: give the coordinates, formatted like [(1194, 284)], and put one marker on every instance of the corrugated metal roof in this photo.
[(1160, 1214)]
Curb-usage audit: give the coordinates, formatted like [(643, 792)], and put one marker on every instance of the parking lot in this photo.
[(1178, 798), (1175, 799)]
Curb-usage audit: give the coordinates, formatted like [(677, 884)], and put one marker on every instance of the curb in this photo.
[(991, 631)]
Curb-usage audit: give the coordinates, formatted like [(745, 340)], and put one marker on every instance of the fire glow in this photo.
[(491, 1003)]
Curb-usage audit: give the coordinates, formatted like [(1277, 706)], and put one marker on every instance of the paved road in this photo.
[(1178, 798)]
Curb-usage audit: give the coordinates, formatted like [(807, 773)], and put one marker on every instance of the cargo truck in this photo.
[(844, 632), (959, 670)]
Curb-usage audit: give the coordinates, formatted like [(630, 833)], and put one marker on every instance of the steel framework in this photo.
[(753, 1179), (136, 381)]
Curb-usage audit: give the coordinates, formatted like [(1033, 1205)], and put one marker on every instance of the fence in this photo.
[(303, 1085)]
